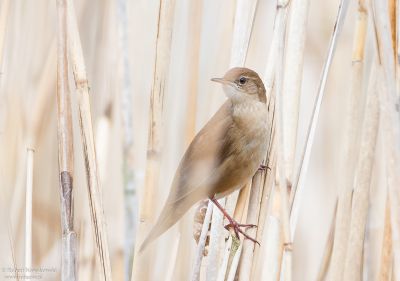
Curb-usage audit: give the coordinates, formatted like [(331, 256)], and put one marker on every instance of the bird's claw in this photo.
[(234, 224), (237, 229), (229, 225)]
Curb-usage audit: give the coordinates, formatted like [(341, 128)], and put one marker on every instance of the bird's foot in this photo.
[(263, 168), (234, 224), (237, 229)]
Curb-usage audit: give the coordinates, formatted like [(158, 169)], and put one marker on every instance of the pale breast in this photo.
[(251, 134), (254, 127), (251, 120)]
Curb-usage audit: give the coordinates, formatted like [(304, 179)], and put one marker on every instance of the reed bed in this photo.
[(106, 97)]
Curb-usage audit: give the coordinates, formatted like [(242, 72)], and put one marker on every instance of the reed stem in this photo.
[(65, 150), (89, 150)]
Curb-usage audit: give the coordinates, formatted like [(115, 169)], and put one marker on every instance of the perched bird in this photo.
[(224, 155)]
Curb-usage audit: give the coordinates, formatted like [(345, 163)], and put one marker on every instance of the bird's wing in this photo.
[(200, 169), (204, 157)]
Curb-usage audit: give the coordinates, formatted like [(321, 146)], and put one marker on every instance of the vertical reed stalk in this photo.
[(202, 242), (192, 57), (232, 250), (390, 121), (286, 263), (392, 23), (194, 16), (65, 150), (253, 213), (353, 261), (244, 19), (4, 10), (292, 79), (299, 182), (34, 127), (216, 236), (28, 210), (45, 98), (267, 198), (397, 47), (227, 261), (271, 267), (141, 262), (243, 26), (386, 263), (267, 223), (326, 258), (350, 148), (274, 251), (12, 249), (238, 247), (89, 150)]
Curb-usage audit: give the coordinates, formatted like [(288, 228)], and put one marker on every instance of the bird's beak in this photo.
[(221, 80)]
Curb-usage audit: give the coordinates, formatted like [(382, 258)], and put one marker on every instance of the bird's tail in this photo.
[(170, 214)]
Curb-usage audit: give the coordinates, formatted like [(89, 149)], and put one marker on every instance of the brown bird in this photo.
[(224, 155)]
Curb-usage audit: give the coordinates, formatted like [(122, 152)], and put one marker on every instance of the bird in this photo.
[(225, 153)]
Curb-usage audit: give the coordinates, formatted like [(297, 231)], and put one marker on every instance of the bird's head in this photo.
[(243, 83)]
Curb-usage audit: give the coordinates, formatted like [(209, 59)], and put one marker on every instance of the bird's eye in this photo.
[(242, 80)]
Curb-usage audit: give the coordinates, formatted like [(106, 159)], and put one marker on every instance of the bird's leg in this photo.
[(234, 224), (264, 167)]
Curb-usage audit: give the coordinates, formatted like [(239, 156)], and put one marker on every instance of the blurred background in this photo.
[(119, 45)]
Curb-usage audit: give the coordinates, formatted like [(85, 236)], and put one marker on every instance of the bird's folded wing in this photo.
[(200, 169), (205, 158)]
